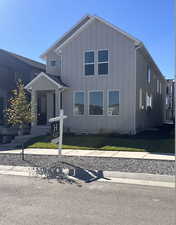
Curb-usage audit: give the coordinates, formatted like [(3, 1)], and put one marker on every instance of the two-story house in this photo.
[(12, 68), (105, 80)]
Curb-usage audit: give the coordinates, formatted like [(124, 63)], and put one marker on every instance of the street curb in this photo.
[(108, 176)]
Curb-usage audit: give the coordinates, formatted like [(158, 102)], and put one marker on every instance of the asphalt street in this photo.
[(34, 201)]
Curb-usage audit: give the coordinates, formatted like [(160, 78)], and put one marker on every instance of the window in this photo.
[(89, 61), (148, 100), (96, 103), (78, 103), (53, 62), (167, 90), (103, 62), (140, 99), (113, 103), (148, 74)]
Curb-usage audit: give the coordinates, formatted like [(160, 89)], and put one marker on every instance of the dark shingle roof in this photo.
[(56, 79), (28, 61)]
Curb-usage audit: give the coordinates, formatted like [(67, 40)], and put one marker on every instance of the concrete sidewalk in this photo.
[(95, 153)]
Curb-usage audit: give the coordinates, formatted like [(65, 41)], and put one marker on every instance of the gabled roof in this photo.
[(28, 61), (78, 27), (57, 79), (52, 78)]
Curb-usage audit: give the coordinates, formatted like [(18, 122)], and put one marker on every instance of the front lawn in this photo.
[(150, 141)]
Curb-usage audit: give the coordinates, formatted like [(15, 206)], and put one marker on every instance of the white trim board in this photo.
[(44, 75), (90, 19)]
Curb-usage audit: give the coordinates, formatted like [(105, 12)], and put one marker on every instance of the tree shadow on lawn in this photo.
[(65, 172)]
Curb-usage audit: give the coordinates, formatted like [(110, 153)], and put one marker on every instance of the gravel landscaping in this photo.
[(92, 163)]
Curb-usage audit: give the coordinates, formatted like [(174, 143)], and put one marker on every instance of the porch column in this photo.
[(57, 102), (34, 107)]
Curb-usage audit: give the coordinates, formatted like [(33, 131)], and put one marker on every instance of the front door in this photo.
[(42, 109)]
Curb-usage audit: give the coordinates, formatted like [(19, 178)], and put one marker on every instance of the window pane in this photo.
[(113, 103), (96, 103), (89, 57), (103, 68), (79, 103), (53, 62), (89, 69), (103, 56)]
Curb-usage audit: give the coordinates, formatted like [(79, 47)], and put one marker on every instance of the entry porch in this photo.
[(46, 100)]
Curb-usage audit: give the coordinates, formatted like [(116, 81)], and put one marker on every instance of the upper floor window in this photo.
[(96, 103), (113, 103), (53, 63), (89, 63), (103, 62), (78, 107), (148, 74)]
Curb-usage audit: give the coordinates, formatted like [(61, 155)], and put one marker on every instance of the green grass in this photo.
[(161, 141)]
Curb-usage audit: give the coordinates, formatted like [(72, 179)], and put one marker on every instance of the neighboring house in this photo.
[(170, 99), (12, 68), (104, 79)]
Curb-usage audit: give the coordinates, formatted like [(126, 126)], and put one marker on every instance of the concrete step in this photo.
[(40, 130)]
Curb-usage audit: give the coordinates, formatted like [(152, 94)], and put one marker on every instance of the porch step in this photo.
[(40, 130), (17, 142)]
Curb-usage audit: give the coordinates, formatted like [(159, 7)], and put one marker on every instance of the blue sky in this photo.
[(29, 27)]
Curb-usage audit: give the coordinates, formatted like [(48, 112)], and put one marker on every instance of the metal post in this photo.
[(22, 153), (60, 131)]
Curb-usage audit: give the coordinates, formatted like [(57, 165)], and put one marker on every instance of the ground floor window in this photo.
[(96, 103), (78, 103), (113, 103)]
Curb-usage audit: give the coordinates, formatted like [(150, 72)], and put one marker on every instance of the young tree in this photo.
[(18, 112)]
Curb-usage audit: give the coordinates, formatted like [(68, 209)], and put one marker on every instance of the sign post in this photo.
[(60, 119)]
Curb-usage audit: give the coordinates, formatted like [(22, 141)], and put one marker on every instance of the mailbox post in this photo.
[(60, 119)]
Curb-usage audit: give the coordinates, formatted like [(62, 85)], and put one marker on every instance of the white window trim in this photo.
[(108, 101), (74, 93), (89, 102), (94, 63), (102, 62)]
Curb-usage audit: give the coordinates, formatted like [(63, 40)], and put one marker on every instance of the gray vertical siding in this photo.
[(155, 117), (121, 77)]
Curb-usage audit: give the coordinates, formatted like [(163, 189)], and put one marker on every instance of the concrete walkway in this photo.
[(95, 153)]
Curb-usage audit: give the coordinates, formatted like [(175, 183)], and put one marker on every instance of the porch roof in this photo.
[(51, 80)]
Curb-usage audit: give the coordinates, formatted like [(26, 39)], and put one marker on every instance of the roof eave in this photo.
[(44, 55)]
